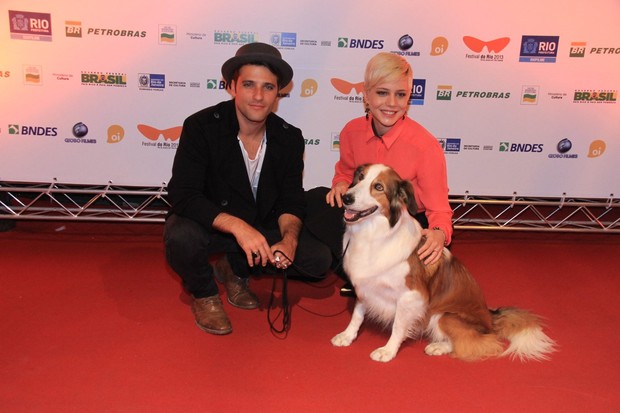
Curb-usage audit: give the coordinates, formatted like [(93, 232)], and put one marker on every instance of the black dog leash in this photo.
[(285, 312)]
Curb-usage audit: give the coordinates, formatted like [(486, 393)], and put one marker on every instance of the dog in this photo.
[(441, 301)]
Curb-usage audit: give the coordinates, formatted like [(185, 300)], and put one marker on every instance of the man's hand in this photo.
[(253, 243), (290, 227)]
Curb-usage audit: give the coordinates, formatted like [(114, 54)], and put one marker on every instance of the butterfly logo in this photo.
[(493, 46), (345, 87), (151, 133)]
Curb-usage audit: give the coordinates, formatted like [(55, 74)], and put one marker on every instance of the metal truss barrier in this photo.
[(112, 203)]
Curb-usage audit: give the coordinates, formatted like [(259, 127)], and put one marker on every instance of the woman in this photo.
[(387, 135)]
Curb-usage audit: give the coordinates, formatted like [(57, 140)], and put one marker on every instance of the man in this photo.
[(236, 188)]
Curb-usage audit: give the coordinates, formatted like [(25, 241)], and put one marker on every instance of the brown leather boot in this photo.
[(210, 315), (237, 289)]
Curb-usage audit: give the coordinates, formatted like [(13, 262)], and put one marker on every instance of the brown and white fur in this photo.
[(442, 301)]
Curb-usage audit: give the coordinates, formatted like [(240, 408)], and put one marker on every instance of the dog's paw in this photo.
[(383, 354), (343, 339), (438, 348)]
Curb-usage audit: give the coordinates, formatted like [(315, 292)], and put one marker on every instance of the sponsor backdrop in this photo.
[(521, 95)]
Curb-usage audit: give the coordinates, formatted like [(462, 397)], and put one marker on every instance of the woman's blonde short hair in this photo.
[(387, 67)]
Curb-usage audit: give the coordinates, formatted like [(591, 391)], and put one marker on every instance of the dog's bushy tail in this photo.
[(524, 331)]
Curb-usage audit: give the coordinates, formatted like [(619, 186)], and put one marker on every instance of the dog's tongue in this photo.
[(350, 215)]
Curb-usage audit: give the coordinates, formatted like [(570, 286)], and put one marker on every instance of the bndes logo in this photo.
[(214, 84), (520, 147), (32, 130), (345, 42)]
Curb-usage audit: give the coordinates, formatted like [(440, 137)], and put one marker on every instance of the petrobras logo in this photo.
[(539, 49), (405, 43), (149, 81), (25, 25), (577, 49), (352, 43), (110, 79), (595, 96), (104, 32), (486, 51), (283, 40), (485, 94), (450, 145), (33, 75), (521, 147), (605, 50), (4, 74), (417, 92), (29, 130), (168, 34), (529, 95), (73, 28), (234, 38), (563, 148), (444, 92)]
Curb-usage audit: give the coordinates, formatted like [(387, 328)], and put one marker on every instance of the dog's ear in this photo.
[(359, 174), (406, 193), (397, 194), (396, 203)]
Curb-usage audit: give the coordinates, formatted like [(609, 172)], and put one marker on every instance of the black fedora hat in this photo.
[(259, 53)]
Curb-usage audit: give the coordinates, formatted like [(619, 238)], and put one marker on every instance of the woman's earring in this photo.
[(367, 110)]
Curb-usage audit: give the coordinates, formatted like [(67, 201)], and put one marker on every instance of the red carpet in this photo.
[(93, 320)]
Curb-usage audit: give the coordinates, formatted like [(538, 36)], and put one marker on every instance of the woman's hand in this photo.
[(432, 249), (334, 196)]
